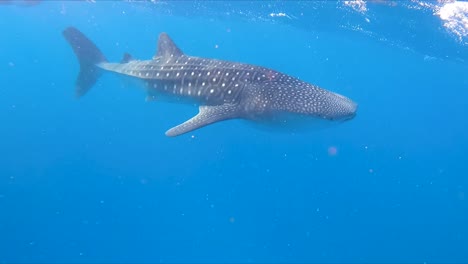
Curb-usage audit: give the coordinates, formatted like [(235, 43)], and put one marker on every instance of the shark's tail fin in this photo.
[(88, 55)]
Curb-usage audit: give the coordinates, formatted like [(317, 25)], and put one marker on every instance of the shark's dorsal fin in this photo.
[(167, 47), (206, 115), (126, 58)]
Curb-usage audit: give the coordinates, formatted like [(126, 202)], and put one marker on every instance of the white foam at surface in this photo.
[(455, 17), (358, 5)]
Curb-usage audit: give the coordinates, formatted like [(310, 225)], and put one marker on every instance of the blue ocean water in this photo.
[(96, 180)]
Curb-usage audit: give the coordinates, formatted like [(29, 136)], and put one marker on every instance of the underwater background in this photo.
[(96, 180)]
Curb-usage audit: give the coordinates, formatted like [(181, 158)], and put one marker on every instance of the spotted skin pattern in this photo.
[(226, 90)]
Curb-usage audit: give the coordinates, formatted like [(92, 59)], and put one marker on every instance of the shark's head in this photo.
[(287, 98), (313, 101), (336, 107)]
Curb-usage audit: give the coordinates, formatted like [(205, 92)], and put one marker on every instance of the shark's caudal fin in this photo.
[(88, 55)]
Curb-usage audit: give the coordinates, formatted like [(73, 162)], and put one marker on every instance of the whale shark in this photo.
[(223, 90)]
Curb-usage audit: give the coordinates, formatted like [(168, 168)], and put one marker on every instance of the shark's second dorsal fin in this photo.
[(126, 58), (167, 47)]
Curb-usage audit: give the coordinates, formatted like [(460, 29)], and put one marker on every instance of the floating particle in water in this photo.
[(332, 151), (371, 170), (11, 64), (63, 10), (228, 30), (232, 220), (216, 46), (280, 14)]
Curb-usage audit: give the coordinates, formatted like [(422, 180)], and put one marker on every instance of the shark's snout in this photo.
[(341, 108)]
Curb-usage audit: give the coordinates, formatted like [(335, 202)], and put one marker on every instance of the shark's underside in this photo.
[(224, 90)]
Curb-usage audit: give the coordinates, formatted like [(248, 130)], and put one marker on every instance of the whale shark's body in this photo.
[(224, 90)]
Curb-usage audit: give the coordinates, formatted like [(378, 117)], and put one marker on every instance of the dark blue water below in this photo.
[(96, 179)]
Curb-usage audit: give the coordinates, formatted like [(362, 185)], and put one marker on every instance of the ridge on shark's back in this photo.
[(223, 89)]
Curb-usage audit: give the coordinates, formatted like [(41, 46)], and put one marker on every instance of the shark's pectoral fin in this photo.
[(206, 115)]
